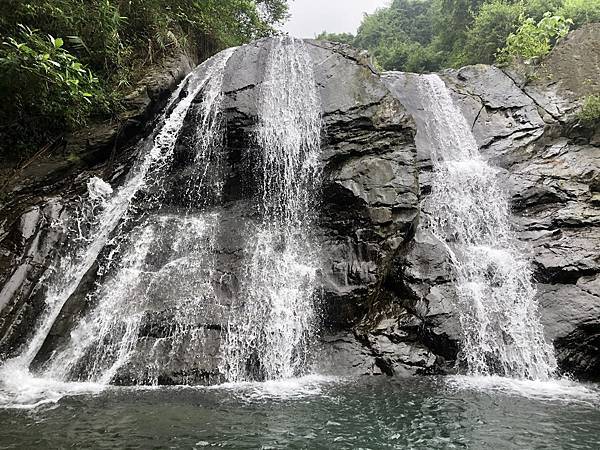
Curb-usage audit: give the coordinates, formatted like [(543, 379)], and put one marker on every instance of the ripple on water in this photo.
[(316, 412)]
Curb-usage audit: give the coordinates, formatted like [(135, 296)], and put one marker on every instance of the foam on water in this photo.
[(560, 390), (282, 389), (20, 389)]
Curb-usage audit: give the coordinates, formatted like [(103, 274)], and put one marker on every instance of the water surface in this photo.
[(317, 412)]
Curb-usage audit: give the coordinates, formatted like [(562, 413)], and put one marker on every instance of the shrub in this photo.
[(344, 38), (492, 25), (537, 8), (50, 84), (43, 87), (581, 11), (533, 39), (590, 111), (41, 64)]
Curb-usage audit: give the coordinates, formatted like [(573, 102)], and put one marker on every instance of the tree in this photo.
[(452, 19), (398, 36), (580, 11), (424, 35), (109, 41), (487, 35)]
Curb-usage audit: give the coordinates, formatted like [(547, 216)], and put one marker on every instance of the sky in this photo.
[(311, 17)]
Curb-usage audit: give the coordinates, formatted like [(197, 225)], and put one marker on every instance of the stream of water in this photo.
[(270, 329), (469, 213)]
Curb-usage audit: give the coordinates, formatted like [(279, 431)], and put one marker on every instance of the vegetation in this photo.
[(43, 85), (590, 112), (580, 11), (65, 61), (428, 35), (533, 39)]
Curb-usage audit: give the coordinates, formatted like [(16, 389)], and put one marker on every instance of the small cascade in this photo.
[(131, 283), (469, 212), (143, 283), (163, 275), (273, 322)]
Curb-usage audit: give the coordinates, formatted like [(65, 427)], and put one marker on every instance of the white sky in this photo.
[(310, 17)]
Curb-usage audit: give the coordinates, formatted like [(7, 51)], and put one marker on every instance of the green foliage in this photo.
[(533, 39), (424, 35), (580, 11), (403, 20), (105, 46), (590, 111), (343, 38), (452, 19), (494, 22), (44, 85), (398, 36)]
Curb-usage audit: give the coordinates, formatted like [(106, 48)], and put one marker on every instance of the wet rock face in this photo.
[(550, 168), (386, 283), (40, 200), (369, 191), (368, 202)]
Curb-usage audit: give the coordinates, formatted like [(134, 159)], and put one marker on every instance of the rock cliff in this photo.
[(386, 283)]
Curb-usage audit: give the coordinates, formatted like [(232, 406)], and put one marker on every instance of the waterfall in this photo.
[(273, 321), (130, 286), (469, 212)]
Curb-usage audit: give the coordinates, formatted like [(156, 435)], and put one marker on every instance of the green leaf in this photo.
[(58, 42)]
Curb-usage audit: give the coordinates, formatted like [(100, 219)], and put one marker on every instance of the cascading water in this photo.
[(273, 322), (470, 214), (148, 279), (104, 340)]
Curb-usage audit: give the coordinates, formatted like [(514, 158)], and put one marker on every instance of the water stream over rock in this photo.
[(281, 224), (271, 327), (105, 339), (469, 213)]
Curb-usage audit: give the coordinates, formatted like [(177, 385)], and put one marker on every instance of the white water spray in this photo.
[(106, 339), (271, 326), (469, 213), (93, 228)]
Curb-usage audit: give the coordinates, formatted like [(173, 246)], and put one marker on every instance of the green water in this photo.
[(378, 413)]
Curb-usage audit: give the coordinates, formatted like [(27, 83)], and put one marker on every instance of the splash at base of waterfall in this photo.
[(20, 389), (563, 390)]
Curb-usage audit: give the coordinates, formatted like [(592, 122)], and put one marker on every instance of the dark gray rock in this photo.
[(386, 282), (43, 197)]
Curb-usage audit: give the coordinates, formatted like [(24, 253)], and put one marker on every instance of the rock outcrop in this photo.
[(386, 283), (550, 165), (40, 198)]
